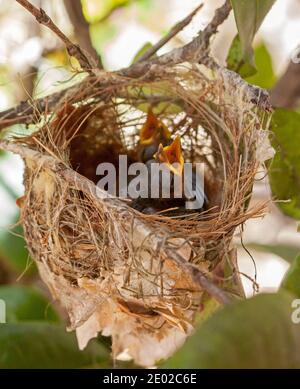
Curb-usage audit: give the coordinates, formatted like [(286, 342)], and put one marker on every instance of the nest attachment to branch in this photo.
[(140, 278)]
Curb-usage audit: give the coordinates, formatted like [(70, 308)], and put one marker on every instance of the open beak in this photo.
[(153, 129), (172, 156)]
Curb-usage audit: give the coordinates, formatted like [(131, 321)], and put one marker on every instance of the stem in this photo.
[(174, 31), (72, 49)]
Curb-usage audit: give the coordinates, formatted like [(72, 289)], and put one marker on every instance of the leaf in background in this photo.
[(102, 33), (249, 15), (288, 253), (235, 60), (254, 333), (48, 346), (265, 76), (142, 51), (24, 303), (95, 10), (59, 57), (284, 170), (13, 250), (159, 89), (291, 280)]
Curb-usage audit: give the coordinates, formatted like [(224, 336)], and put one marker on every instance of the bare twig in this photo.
[(28, 111), (72, 49), (199, 47), (195, 51), (174, 31), (202, 280), (81, 29), (286, 92), (198, 51)]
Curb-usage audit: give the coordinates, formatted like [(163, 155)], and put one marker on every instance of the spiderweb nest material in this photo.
[(116, 270)]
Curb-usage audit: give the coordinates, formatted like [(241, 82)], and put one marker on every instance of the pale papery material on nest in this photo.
[(117, 271)]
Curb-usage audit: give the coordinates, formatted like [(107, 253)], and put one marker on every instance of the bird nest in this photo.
[(139, 277)]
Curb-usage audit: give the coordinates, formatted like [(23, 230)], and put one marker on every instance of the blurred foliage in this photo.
[(95, 10), (157, 89), (264, 75), (13, 250), (99, 11), (288, 253), (292, 278), (284, 170), (249, 14), (142, 51), (58, 57), (102, 33), (44, 345), (254, 333), (235, 59), (25, 303)]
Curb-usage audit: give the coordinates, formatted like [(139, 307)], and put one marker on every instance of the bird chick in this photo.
[(153, 133), (171, 186), (171, 156)]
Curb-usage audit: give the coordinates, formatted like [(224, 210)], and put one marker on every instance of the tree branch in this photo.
[(202, 280), (174, 31), (195, 51), (72, 49), (27, 111), (199, 47), (81, 29), (286, 92)]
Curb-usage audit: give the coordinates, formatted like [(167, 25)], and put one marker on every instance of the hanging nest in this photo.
[(139, 278)]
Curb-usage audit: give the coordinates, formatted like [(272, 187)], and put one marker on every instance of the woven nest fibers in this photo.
[(118, 270)]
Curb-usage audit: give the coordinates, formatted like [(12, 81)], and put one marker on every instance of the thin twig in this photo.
[(202, 280), (27, 111), (199, 47), (82, 30), (72, 49), (195, 51), (174, 31)]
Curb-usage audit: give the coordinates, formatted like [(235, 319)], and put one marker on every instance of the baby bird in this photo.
[(169, 186), (153, 133), (189, 181)]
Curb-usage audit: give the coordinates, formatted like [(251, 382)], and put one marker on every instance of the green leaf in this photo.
[(235, 59), (43, 345), (142, 51), (254, 333), (265, 76), (284, 170), (291, 281), (159, 90), (24, 303), (288, 253), (13, 250), (102, 33), (249, 14), (95, 10)]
